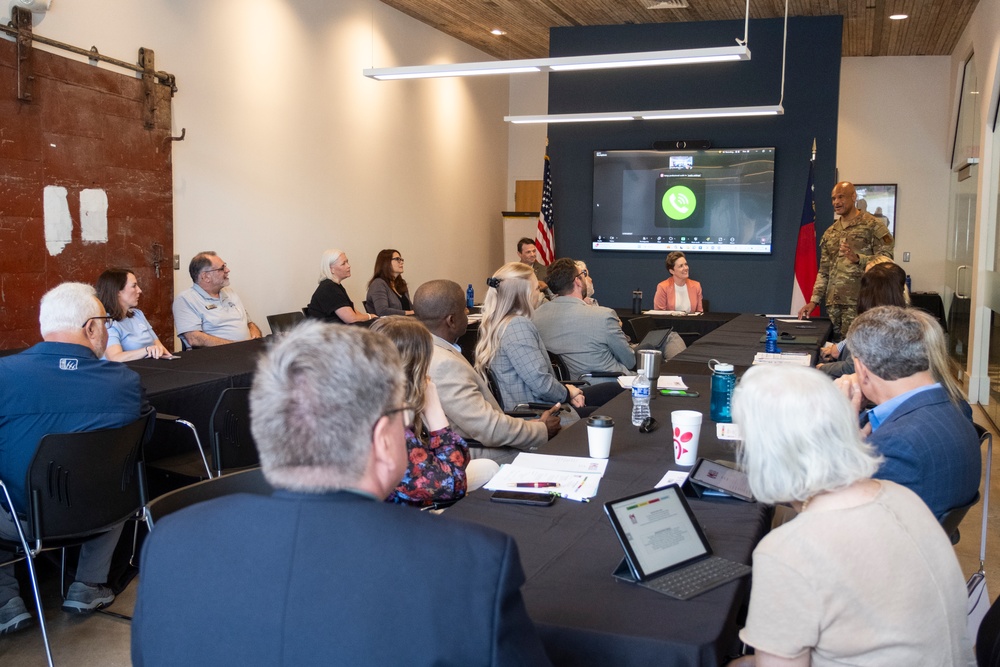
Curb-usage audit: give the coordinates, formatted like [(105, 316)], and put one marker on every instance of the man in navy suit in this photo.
[(323, 571), (920, 422)]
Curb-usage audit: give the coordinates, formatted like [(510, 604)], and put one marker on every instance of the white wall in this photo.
[(291, 150), (894, 128)]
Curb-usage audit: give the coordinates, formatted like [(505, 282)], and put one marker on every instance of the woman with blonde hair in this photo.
[(510, 347), (330, 301), (437, 456)]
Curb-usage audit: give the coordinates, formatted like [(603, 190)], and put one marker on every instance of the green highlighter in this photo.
[(680, 392)]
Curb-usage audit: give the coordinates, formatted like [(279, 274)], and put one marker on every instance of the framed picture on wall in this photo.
[(880, 201)]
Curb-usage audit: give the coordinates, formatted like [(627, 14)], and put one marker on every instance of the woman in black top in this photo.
[(330, 301)]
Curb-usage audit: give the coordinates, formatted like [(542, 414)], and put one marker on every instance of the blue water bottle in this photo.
[(771, 338), (723, 383), (470, 297)]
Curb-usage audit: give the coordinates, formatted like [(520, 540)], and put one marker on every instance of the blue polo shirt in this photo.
[(58, 388)]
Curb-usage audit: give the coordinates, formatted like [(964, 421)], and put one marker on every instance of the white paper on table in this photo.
[(662, 382), (782, 359), (784, 317), (475, 317), (575, 486), (728, 432), (580, 464), (670, 382), (677, 477)]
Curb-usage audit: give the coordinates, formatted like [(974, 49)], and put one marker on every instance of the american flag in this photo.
[(545, 234)]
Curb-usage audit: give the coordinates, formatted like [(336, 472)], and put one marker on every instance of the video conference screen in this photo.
[(716, 200)]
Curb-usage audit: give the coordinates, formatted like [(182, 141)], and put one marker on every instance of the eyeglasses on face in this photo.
[(409, 412), (107, 321), (398, 259), (221, 268)]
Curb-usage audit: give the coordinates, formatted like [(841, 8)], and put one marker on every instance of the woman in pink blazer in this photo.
[(666, 292)]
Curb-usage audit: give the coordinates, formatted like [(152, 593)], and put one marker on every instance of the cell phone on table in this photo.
[(523, 498)]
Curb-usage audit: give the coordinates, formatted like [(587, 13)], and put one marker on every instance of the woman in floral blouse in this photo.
[(438, 456)]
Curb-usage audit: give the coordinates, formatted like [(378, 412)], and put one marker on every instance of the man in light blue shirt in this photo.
[(210, 313)]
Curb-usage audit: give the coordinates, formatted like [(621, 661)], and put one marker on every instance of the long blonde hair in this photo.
[(413, 341), (511, 293)]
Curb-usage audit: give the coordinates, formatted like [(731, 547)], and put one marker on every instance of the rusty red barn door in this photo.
[(84, 186)]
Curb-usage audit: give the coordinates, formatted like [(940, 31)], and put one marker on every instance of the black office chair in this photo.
[(564, 376), (79, 485), (522, 410), (284, 321), (245, 481), (953, 517), (637, 327), (232, 442), (185, 345)]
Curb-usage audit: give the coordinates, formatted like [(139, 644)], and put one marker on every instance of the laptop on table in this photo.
[(665, 548)]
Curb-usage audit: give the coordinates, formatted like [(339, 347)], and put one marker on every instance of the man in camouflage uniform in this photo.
[(854, 239)]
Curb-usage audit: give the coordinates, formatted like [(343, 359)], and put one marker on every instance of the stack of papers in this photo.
[(785, 358), (662, 382), (576, 477)]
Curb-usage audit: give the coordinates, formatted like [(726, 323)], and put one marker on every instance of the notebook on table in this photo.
[(665, 548)]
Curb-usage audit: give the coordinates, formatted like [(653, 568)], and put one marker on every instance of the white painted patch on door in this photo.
[(94, 215), (58, 223)]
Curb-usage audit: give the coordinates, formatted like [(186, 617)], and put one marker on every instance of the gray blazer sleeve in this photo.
[(523, 347), (618, 341), (383, 299)]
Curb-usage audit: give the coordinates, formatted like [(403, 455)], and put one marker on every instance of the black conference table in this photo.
[(700, 324), (569, 550), (189, 386)]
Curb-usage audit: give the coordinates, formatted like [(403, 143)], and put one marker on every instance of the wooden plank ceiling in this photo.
[(932, 29)]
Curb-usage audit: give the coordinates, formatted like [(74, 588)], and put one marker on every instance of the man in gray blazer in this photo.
[(587, 338), (468, 403)]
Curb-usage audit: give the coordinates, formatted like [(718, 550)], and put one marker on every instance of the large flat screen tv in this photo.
[(716, 200)]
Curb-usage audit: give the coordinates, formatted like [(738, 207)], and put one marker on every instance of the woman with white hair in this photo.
[(330, 301), (863, 575), (510, 345), (588, 284)]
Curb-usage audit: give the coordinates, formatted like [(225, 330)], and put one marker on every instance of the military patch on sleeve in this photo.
[(887, 239)]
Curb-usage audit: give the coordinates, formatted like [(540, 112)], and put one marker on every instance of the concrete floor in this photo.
[(103, 641)]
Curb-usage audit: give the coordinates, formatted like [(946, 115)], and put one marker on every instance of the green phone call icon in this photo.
[(679, 202)]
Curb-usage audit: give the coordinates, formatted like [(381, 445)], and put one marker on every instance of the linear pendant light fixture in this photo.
[(565, 63), (671, 114)]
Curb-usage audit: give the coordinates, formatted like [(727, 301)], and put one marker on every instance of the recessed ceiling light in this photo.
[(497, 32), (899, 17)]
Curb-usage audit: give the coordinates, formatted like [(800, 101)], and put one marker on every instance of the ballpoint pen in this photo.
[(536, 485)]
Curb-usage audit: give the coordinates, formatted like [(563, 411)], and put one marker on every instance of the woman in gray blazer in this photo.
[(387, 292)]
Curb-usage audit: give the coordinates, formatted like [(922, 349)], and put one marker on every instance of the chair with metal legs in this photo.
[(79, 485)]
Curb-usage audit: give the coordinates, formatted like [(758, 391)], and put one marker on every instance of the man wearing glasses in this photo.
[(210, 313), (317, 573), (61, 386)]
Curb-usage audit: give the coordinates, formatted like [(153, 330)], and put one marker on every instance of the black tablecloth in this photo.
[(569, 550), (737, 341), (189, 386), (699, 324)]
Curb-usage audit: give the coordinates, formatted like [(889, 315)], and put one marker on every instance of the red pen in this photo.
[(536, 485)]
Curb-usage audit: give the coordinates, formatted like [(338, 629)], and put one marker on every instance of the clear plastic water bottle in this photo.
[(771, 338), (640, 398), (470, 297)]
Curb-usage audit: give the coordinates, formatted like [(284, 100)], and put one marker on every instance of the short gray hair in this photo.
[(800, 434), (316, 397), (890, 341), (67, 307)]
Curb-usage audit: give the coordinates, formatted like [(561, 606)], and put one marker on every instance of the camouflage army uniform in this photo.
[(839, 280)]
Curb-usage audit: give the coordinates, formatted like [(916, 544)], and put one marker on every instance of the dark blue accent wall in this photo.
[(738, 283)]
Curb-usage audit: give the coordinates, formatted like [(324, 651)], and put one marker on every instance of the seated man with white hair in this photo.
[(323, 572), (61, 386)]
